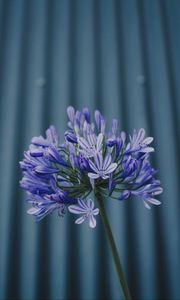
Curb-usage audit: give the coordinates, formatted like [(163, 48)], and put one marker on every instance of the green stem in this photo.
[(113, 247)]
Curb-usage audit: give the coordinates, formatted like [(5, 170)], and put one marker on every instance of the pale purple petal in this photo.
[(83, 204), (104, 176), (123, 136), (140, 135), (83, 143), (158, 191), (99, 141), (90, 204), (111, 168), (33, 210), (92, 221), (91, 139), (71, 113), (93, 166), (146, 205), (99, 161), (40, 141), (148, 140), (75, 209), (93, 175), (80, 220), (107, 161), (96, 211), (147, 150), (154, 201)]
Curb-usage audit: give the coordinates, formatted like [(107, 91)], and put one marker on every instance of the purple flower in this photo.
[(138, 142), (58, 175), (92, 145), (86, 209), (51, 138), (100, 122), (101, 168), (70, 137)]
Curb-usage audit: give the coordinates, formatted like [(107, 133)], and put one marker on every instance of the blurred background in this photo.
[(122, 57)]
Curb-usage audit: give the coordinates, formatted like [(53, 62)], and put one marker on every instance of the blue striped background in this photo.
[(123, 57)]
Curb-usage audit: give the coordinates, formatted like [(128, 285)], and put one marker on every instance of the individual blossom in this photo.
[(92, 145), (86, 209), (101, 168), (62, 175)]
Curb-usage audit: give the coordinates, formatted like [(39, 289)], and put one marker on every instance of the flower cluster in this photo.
[(62, 175)]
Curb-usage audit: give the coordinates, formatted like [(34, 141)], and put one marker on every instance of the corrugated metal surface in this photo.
[(123, 58)]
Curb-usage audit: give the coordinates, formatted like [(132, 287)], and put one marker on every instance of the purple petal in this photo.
[(90, 204), (52, 135), (123, 136), (99, 142), (140, 135), (99, 161), (40, 141), (45, 170), (37, 152), (83, 143), (114, 126), (98, 118), (87, 114), (71, 113), (107, 161), (92, 140), (93, 166), (83, 204)]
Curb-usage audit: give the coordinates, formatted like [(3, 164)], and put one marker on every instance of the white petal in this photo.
[(96, 211), (93, 175), (158, 191), (80, 220), (33, 210), (111, 168), (105, 176), (92, 221), (147, 149), (146, 205), (154, 201), (148, 140)]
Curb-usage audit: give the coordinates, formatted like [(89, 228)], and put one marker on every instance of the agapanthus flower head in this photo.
[(61, 175)]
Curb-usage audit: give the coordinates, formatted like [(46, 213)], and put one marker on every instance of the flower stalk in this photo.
[(112, 244)]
